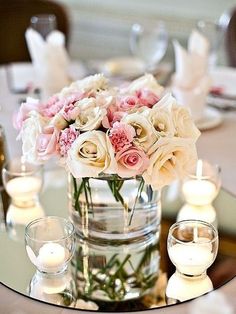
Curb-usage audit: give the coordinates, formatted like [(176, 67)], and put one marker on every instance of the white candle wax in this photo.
[(199, 192), (192, 258), (205, 213), (23, 188), (51, 257)]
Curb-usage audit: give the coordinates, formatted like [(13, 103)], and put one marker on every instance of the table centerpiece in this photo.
[(120, 145)]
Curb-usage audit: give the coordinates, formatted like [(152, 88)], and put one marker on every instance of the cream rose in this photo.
[(32, 128), (145, 135), (91, 154), (170, 159), (162, 122), (184, 124), (89, 84), (146, 81), (91, 116)]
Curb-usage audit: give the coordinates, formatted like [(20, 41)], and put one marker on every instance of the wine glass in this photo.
[(149, 43), (43, 23), (214, 33)]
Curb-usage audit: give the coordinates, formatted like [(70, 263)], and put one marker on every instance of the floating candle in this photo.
[(51, 258)]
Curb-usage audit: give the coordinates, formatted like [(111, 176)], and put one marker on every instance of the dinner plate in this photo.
[(224, 78), (211, 119), (125, 67)]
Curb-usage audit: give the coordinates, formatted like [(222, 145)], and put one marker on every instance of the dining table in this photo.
[(217, 145)]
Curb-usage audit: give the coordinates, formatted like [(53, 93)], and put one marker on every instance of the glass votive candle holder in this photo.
[(50, 243), (23, 182), (202, 185), (192, 246)]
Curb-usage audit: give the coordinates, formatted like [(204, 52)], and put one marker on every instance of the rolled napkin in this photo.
[(191, 81), (50, 60)]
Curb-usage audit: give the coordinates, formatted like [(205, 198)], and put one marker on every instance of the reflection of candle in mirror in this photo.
[(199, 190), (192, 258), (52, 257), (24, 188)]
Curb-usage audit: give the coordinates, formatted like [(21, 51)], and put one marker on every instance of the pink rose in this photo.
[(121, 135), (70, 111), (113, 115), (131, 162), (23, 113), (127, 103), (66, 139), (51, 107), (46, 145), (147, 97)]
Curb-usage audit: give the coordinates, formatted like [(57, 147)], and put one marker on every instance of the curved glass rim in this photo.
[(37, 168), (66, 221), (178, 223)]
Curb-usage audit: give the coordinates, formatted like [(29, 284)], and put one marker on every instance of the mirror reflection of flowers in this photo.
[(95, 129)]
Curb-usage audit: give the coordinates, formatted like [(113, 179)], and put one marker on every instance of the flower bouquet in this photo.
[(120, 145)]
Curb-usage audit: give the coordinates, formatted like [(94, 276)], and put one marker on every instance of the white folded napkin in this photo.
[(50, 60), (191, 81)]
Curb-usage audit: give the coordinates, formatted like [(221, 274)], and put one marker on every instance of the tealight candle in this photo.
[(51, 257)]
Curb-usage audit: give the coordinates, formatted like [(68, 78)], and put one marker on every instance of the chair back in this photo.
[(15, 18)]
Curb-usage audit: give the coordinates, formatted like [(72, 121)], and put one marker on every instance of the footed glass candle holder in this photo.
[(50, 245), (192, 247), (23, 182), (199, 190)]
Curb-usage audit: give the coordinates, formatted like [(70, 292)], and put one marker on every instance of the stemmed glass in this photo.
[(43, 23), (214, 33), (149, 43)]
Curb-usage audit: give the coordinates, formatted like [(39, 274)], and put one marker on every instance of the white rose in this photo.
[(145, 135), (90, 117), (161, 119), (183, 123), (91, 83), (59, 122), (91, 154), (166, 102), (31, 128), (170, 159), (146, 81)]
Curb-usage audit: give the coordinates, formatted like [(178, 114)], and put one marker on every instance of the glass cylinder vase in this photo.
[(118, 225)]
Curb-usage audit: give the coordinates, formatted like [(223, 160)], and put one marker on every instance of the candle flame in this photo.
[(199, 169)]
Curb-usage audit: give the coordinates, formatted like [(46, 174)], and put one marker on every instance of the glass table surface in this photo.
[(16, 270)]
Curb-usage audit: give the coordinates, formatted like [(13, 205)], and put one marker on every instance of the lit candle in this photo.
[(51, 257), (23, 188), (192, 258), (199, 191)]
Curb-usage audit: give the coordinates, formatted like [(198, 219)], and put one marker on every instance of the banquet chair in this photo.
[(228, 23), (15, 18)]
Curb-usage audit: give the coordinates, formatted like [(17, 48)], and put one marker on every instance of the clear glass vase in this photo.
[(118, 225)]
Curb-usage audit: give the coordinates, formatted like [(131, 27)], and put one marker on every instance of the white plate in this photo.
[(126, 67), (225, 78), (211, 119)]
